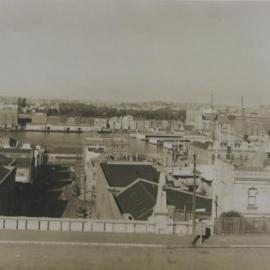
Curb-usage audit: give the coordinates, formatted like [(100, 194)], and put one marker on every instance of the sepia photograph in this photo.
[(134, 135)]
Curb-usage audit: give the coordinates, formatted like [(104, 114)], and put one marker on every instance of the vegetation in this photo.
[(230, 214), (84, 110)]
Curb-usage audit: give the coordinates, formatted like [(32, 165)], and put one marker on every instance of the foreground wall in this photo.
[(89, 225)]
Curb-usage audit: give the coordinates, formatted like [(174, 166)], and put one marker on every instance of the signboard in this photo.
[(200, 210), (209, 116)]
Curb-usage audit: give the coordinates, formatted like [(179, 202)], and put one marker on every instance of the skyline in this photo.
[(136, 51)]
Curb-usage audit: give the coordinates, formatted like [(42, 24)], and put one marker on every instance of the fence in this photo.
[(236, 225), (89, 225)]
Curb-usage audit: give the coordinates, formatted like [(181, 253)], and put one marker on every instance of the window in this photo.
[(252, 193), (20, 173)]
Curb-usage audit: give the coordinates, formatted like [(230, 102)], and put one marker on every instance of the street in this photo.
[(43, 250)]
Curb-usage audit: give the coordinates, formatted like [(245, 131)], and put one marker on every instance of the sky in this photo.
[(140, 50)]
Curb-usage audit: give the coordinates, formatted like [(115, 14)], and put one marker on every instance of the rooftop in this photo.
[(181, 199), (4, 160), (4, 171), (15, 150), (121, 175), (202, 145), (138, 200)]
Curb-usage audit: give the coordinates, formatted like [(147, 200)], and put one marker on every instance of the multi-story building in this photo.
[(143, 125), (244, 189), (8, 116), (205, 119), (252, 124), (128, 123), (236, 151)]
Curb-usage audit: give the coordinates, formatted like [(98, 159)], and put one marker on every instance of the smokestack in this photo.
[(243, 112)]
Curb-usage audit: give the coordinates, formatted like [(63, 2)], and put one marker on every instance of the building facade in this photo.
[(244, 189), (8, 116)]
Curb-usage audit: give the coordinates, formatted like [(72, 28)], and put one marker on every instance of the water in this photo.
[(72, 142)]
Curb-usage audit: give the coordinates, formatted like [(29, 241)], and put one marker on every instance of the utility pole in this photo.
[(214, 183), (213, 118), (84, 188), (194, 196)]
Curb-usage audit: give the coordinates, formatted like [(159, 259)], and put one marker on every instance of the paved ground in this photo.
[(43, 250)]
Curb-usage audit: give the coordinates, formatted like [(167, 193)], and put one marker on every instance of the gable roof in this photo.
[(138, 200), (121, 175), (3, 173), (5, 161)]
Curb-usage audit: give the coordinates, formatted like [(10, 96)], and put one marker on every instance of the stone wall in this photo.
[(89, 225)]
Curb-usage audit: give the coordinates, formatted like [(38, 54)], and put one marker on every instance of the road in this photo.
[(43, 250)]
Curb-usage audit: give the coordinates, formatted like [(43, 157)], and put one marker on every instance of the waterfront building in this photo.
[(100, 123), (8, 116), (143, 125), (127, 122), (115, 147), (39, 118), (115, 123), (176, 125)]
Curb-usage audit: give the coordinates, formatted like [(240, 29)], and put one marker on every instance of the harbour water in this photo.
[(72, 142)]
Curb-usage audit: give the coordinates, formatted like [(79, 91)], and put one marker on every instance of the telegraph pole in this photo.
[(194, 195)]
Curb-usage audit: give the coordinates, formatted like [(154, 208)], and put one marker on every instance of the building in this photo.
[(7, 186), (244, 189), (95, 150), (115, 123), (39, 118), (126, 189), (233, 150), (62, 159), (8, 116), (100, 123), (113, 146), (255, 125), (129, 190), (176, 125), (205, 119), (143, 125), (24, 162), (190, 118)]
